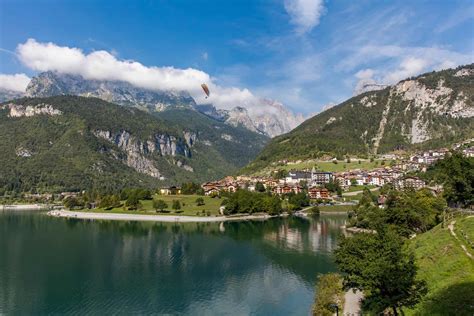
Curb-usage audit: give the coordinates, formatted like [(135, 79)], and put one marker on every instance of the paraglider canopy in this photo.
[(206, 89)]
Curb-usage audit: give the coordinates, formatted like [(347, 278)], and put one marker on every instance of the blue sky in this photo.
[(304, 53)]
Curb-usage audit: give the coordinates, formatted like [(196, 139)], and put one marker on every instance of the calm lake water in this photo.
[(58, 266)]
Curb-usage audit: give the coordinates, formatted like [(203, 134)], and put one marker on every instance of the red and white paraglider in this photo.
[(206, 89)]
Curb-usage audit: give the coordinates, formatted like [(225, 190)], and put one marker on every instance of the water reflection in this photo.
[(50, 265)]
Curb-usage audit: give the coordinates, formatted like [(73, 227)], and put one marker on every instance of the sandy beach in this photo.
[(153, 218)]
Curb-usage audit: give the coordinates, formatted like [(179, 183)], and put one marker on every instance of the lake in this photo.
[(67, 266)]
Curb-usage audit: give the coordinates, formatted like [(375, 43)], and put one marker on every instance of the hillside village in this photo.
[(400, 174)]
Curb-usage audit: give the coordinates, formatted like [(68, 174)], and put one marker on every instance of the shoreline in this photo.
[(23, 207), (153, 218)]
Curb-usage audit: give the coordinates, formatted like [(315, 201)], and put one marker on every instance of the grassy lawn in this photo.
[(331, 166), (188, 206), (354, 188), (449, 273), (335, 208)]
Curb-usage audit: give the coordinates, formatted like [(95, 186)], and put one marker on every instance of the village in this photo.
[(317, 183)]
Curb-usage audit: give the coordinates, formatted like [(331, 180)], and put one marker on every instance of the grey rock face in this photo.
[(139, 153), (51, 83)]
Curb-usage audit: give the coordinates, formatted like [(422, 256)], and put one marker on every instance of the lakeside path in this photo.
[(23, 207), (154, 218)]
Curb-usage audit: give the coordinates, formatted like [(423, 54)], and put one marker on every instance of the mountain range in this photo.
[(269, 118), (432, 110)]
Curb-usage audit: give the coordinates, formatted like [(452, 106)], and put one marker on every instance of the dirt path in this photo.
[(352, 303), (453, 233)]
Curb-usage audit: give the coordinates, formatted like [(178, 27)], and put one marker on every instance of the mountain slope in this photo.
[(433, 109), (271, 119), (76, 143)]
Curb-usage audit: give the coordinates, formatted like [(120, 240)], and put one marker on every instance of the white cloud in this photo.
[(366, 81), (409, 66), (394, 63), (102, 65), (16, 82), (304, 14)]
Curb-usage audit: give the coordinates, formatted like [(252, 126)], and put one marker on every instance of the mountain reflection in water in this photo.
[(57, 266)]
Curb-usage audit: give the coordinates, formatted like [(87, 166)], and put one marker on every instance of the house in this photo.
[(409, 183), (173, 190), (286, 189), (318, 193), (231, 187), (295, 177), (319, 177), (211, 191), (378, 181), (469, 152)]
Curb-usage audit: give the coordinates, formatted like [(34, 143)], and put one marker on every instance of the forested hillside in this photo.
[(76, 143), (431, 110)]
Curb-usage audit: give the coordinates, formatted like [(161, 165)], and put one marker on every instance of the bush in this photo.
[(314, 211), (176, 205), (200, 201), (159, 205)]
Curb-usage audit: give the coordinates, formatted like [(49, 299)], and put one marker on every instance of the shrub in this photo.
[(329, 293)]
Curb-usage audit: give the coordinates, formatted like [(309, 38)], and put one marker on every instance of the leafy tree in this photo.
[(280, 174), (143, 194), (382, 267), (413, 212), (176, 205), (298, 200), (456, 174), (333, 186), (73, 202), (259, 187), (159, 205), (366, 214), (272, 204), (353, 182), (109, 202), (190, 188), (408, 211), (243, 201), (132, 202), (200, 201), (329, 293), (313, 211)]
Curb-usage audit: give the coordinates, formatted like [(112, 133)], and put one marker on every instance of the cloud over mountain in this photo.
[(102, 65), (16, 82)]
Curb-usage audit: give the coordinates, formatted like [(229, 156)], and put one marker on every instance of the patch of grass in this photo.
[(335, 208), (188, 203), (327, 166), (354, 188), (449, 273)]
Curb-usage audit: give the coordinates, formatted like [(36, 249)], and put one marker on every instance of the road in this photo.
[(352, 303)]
